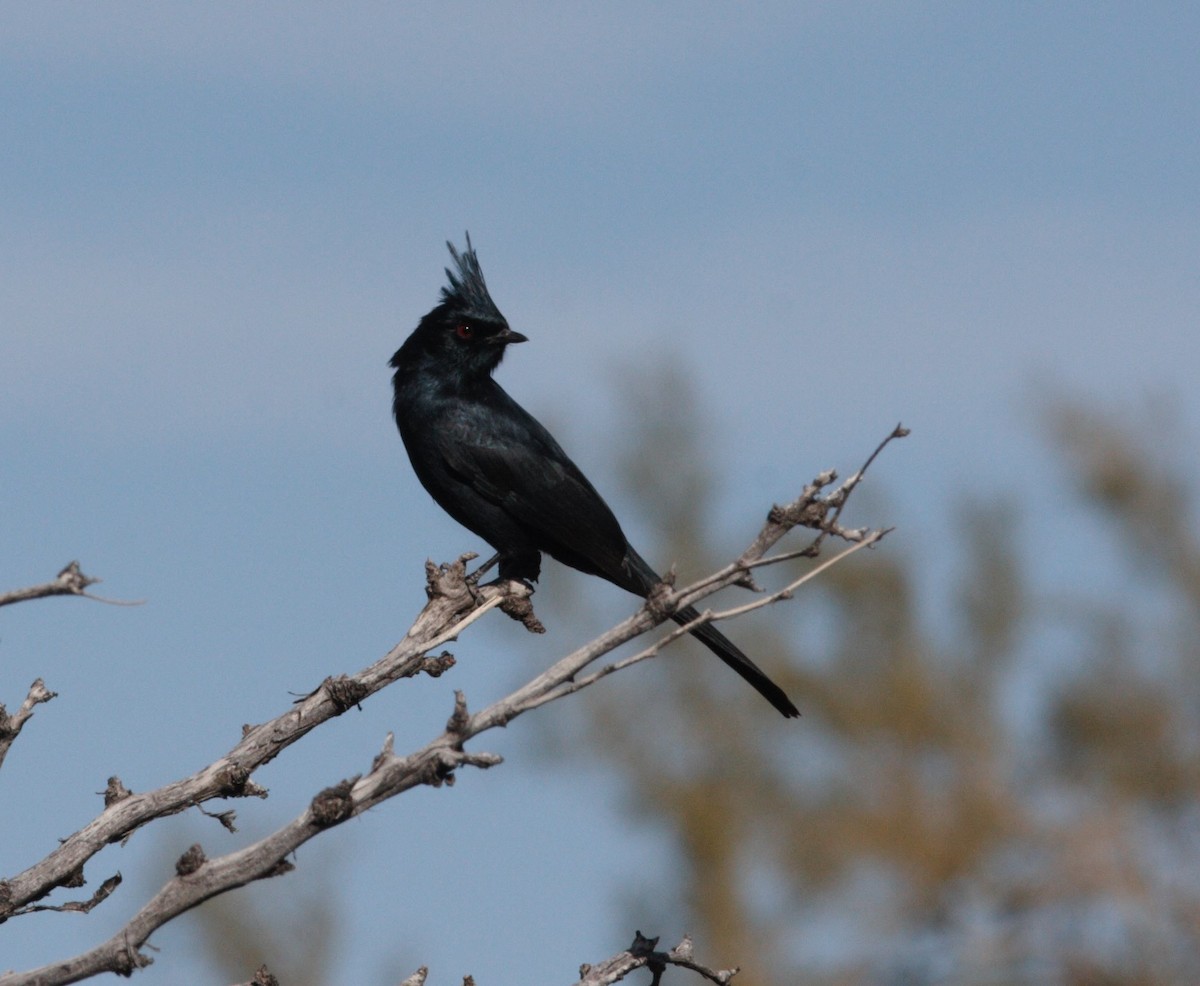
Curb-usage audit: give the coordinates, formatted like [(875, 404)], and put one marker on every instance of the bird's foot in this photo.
[(482, 570)]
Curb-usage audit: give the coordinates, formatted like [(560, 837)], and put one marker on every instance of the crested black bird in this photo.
[(492, 467)]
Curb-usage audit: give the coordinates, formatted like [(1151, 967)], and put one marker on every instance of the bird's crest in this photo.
[(467, 290)]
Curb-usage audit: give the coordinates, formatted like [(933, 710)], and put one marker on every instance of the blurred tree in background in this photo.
[(297, 937), (1017, 806)]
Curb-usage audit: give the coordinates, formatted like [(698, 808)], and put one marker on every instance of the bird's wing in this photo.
[(511, 460)]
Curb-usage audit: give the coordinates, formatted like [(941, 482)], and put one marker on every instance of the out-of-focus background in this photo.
[(744, 243)]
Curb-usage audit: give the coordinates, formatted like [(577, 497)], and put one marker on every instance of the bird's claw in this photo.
[(482, 570)]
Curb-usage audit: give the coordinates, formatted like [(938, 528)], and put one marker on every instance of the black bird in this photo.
[(499, 473)]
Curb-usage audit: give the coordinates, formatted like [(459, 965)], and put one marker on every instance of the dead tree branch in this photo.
[(454, 603), (642, 954), (451, 608), (11, 725), (69, 582)]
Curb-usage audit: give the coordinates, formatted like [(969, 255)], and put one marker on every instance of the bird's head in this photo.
[(465, 333)]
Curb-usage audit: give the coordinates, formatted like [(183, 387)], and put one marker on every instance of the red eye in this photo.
[(464, 331)]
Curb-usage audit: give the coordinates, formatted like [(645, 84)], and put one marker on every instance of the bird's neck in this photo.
[(431, 378)]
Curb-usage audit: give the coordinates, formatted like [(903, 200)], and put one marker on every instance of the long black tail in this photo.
[(719, 644), (643, 578)]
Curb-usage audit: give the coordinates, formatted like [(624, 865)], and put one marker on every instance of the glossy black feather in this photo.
[(499, 473)]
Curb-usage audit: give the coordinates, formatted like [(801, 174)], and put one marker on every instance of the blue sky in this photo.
[(220, 221)]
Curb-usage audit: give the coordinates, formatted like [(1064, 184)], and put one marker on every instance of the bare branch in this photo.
[(869, 539), (454, 603), (451, 608), (198, 878), (641, 954), (69, 582), (709, 616), (82, 906), (11, 725)]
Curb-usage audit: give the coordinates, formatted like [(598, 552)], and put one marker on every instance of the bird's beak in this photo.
[(508, 336)]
